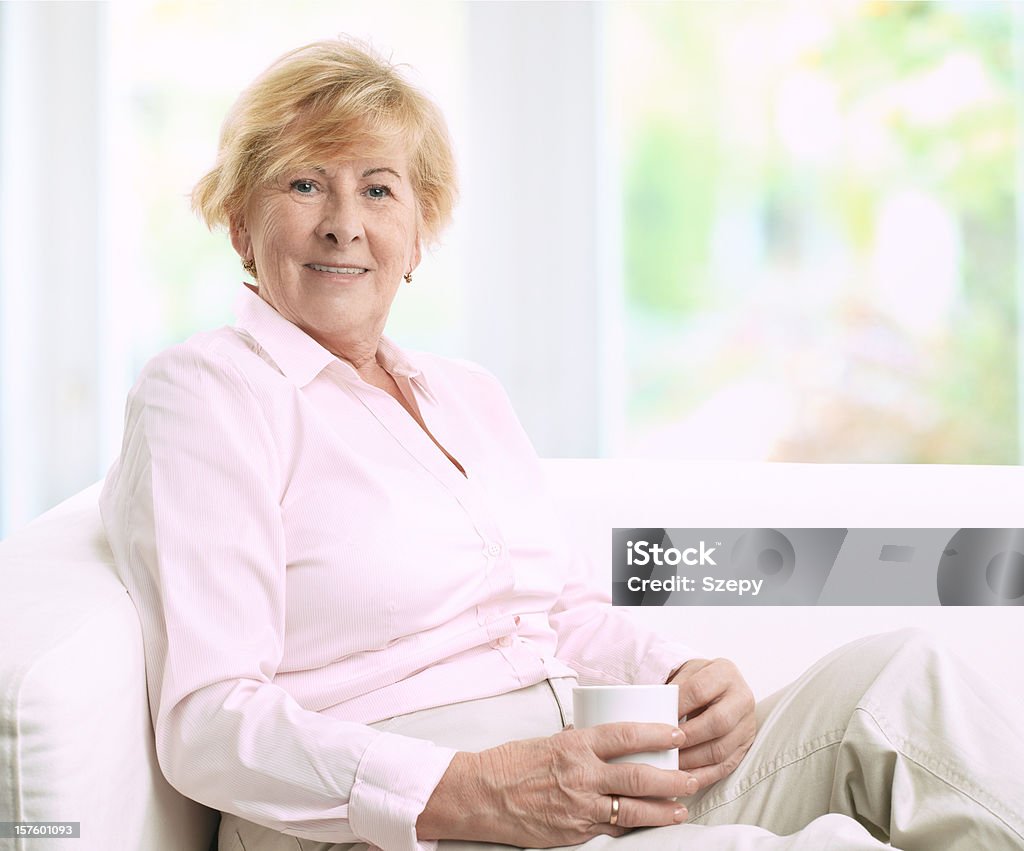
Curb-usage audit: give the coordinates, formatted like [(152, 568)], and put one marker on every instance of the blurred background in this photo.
[(719, 230)]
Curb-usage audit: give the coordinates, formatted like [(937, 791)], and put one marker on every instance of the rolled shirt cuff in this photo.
[(395, 779)]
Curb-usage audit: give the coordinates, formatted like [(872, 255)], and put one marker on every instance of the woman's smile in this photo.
[(347, 271)]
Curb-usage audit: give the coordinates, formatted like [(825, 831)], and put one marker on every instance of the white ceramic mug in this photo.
[(593, 705)]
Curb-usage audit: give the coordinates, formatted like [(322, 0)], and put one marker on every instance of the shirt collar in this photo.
[(299, 356)]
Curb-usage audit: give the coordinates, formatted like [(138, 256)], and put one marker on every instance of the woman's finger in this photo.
[(711, 761), (711, 774), (716, 751), (641, 812), (732, 710), (706, 685), (621, 738), (645, 781)]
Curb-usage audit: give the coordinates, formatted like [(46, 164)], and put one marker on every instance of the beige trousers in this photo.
[(886, 740)]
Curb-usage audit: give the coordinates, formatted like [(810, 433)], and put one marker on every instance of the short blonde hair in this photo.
[(314, 101)]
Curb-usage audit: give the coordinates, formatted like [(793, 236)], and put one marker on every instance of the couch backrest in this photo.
[(773, 645)]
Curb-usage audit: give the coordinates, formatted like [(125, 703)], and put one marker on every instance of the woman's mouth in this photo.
[(337, 270)]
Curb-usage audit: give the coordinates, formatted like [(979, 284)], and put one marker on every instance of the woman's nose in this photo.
[(341, 222)]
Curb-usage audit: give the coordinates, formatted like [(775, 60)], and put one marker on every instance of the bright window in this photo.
[(820, 238)]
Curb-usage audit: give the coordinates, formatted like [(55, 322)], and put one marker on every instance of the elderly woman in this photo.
[(361, 621)]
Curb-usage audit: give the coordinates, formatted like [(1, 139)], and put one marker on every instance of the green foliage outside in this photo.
[(925, 95)]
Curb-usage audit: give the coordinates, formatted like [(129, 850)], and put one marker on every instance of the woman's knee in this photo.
[(888, 671), (875, 652), (835, 685), (916, 648)]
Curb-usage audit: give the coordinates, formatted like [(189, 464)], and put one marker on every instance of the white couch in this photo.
[(75, 735)]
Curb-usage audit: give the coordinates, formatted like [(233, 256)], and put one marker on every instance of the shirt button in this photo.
[(505, 641), (494, 549)]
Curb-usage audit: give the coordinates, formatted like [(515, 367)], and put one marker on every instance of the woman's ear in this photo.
[(240, 239)]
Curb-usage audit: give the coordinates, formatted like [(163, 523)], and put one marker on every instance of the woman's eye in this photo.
[(378, 192), (303, 187)]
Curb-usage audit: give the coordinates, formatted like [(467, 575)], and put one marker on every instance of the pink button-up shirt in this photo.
[(306, 561)]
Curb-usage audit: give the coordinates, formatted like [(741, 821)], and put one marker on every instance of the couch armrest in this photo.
[(76, 740)]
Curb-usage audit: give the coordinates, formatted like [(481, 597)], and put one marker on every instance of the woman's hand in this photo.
[(539, 793), (720, 724)]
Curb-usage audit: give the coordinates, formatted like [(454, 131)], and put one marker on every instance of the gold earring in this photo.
[(250, 266), (408, 277)]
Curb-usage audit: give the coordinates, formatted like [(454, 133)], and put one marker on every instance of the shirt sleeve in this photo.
[(193, 514), (603, 645)]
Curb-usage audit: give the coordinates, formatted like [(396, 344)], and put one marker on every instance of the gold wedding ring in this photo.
[(614, 820)]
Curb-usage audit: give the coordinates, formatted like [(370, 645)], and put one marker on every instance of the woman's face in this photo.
[(332, 243)]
